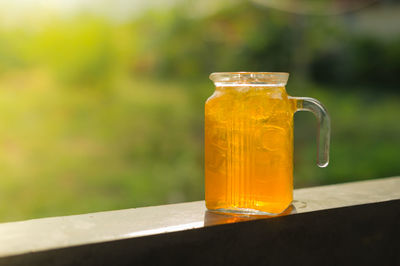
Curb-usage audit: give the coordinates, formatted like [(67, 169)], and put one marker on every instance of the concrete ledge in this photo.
[(350, 223)]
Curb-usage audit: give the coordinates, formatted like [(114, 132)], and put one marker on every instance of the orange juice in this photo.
[(249, 149)]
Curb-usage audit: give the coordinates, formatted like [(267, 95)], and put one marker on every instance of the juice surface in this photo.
[(249, 149)]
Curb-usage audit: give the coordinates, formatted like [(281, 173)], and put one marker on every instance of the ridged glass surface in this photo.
[(249, 149)]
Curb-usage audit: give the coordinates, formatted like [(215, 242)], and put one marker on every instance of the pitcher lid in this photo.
[(249, 78)]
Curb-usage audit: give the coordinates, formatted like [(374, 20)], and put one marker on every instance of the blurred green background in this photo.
[(101, 102)]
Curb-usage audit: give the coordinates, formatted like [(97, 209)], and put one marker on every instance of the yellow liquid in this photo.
[(249, 149)]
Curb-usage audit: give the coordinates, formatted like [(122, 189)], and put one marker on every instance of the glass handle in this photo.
[(323, 129)]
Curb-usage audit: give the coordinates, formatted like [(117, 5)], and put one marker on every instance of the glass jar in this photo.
[(249, 142)]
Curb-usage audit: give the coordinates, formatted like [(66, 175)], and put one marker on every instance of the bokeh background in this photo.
[(101, 102)]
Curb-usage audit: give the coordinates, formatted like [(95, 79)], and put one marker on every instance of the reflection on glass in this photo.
[(215, 218)]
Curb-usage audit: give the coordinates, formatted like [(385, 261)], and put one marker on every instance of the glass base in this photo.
[(243, 212)]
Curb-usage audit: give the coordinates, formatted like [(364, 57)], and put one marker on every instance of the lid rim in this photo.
[(250, 77)]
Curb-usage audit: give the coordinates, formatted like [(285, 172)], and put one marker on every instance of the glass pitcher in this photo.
[(249, 142)]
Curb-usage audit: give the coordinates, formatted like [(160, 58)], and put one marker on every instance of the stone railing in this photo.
[(345, 224)]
